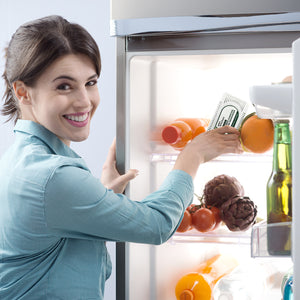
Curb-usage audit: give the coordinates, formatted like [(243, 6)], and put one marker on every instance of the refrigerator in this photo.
[(177, 59)]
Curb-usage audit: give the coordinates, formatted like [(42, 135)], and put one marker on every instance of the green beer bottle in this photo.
[(279, 192)]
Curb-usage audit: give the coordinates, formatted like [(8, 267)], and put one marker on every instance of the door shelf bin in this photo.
[(269, 240)]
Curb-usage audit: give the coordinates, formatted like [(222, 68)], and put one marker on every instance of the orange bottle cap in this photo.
[(187, 295), (171, 134)]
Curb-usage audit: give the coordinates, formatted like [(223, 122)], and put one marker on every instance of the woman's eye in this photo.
[(91, 83), (64, 87)]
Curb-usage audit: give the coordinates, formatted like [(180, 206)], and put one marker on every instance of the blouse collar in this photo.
[(48, 137)]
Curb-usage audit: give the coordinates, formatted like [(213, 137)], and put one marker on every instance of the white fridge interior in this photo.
[(162, 86)]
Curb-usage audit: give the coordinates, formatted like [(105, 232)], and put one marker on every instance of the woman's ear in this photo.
[(21, 92)]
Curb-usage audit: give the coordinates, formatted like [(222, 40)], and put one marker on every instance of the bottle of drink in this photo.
[(248, 281), (198, 125), (287, 286), (198, 285), (279, 192), (182, 130)]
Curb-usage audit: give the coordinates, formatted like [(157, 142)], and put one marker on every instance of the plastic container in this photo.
[(199, 285), (247, 282)]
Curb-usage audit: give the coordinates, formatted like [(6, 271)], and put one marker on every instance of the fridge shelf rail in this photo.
[(269, 240), (246, 157), (222, 235)]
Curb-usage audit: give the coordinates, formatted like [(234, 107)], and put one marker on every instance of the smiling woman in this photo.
[(55, 216), (41, 51), (63, 98)]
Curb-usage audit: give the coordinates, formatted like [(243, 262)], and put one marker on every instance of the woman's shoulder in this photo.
[(35, 162)]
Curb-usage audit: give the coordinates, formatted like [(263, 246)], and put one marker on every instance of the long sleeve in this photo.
[(78, 205)]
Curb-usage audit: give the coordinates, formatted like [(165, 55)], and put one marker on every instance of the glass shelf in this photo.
[(269, 240), (265, 240), (221, 235), (246, 157)]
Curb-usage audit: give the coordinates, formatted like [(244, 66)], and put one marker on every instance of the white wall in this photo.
[(94, 16)]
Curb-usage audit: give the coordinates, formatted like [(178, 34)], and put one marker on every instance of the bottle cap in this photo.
[(187, 295), (171, 134)]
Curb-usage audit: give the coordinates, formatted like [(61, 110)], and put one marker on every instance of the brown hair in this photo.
[(35, 46)]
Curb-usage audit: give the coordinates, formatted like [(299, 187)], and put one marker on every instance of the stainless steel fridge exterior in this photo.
[(144, 9)]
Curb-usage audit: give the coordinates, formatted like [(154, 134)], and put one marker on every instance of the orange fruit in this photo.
[(257, 134)]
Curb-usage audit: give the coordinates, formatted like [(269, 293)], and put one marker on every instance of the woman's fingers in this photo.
[(111, 157), (119, 184), (226, 129), (110, 176)]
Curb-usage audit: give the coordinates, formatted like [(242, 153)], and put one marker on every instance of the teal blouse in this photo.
[(55, 217)]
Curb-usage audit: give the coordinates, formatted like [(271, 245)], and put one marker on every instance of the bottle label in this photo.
[(230, 111)]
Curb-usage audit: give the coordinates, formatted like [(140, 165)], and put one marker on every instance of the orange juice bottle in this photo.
[(199, 285), (197, 125), (177, 134), (192, 286), (182, 130)]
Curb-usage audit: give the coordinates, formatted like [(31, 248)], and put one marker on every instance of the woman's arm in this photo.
[(206, 146), (203, 148)]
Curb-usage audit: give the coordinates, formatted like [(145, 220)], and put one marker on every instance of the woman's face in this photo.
[(65, 98)]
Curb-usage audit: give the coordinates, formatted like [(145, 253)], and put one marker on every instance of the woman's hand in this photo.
[(110, 177), (207, 146)]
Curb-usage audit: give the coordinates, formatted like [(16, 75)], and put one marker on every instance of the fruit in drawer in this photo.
[(203, 219), (186, 222), (219, 189), (217, 215), (257, 134), (238, 213)]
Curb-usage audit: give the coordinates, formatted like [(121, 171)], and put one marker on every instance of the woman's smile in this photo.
[(78, 119)]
